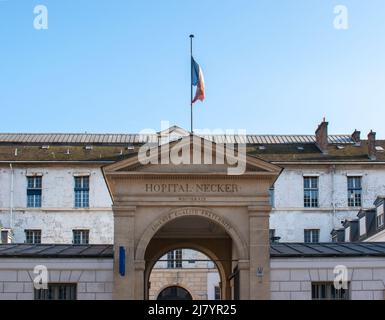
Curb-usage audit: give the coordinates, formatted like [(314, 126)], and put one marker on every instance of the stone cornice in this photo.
[(124, 211)]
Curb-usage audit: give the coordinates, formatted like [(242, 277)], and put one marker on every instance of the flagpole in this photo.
[(191, 88)]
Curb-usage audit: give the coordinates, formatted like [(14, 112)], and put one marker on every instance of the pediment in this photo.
[(191, 155)]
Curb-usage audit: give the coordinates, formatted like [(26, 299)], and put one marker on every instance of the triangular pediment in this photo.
[(191, 154)]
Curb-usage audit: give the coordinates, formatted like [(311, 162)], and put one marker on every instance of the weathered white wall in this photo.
[(94, 277), (290, 218), (57, 217), (291, 278)]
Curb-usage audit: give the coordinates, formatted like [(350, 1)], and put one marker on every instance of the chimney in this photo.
[(372, 145), (321, 136), (356, 137)]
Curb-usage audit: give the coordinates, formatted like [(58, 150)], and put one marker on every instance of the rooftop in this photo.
[(61, 147), (277, 250)]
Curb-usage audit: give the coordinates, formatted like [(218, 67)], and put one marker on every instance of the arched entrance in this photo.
[(200, 229), (160, 206), (174, 293), (188, 268)]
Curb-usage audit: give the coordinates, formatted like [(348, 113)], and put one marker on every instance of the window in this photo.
[(310, 192), (32, 236), (271, 197), (327, 291), (57, 291), (380, 216), (363, 226), (311, 235), (4, 236), (347, 234), (354, 191), (272, 237), (81, 236), (174, 259), (34, 192), (217, 293), (82, 190)]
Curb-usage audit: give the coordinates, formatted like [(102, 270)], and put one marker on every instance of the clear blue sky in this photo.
[(271, 66)]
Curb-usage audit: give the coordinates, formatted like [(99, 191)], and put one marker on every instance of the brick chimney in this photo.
[(372, 145), (321, 136), (356, 137)]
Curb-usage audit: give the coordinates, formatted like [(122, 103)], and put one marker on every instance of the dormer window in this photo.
[(380, 216), (363, 226), (347, 234)]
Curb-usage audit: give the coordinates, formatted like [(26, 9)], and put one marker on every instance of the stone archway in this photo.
[(191, 211), (148, 197), (223, 273), (225, 248)]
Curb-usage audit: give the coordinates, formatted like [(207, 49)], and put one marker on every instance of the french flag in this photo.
[(198, 81)]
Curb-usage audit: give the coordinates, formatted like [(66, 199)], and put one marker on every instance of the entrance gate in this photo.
[(160, 207)]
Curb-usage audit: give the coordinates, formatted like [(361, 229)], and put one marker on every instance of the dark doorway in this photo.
[(174, 293)]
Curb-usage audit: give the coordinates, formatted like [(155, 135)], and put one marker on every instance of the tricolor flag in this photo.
[(198, 81)]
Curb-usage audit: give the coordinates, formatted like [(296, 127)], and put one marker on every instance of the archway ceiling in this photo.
[(191, 227)]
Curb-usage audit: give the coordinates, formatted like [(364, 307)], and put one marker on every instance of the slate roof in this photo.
[(65, 147), (125, 139), (110, 153), (277, 250), (56, 251), (329, 249)]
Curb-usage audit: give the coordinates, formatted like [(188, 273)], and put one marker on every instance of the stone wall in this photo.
[(195, 281), (94, 277), (57, 217), (290, 218), (291, 278)]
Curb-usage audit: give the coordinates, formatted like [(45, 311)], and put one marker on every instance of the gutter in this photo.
[(327, 162)]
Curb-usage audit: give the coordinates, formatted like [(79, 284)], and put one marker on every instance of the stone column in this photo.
[(140, 266), (259, 252), (244, 279), (124, 224)]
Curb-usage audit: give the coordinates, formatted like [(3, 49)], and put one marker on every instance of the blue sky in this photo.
[(271, 66)]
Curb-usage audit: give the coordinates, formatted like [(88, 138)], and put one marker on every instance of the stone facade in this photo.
[(198, 275), (94, 277), (58, 217), (291, 279), (194, 280)]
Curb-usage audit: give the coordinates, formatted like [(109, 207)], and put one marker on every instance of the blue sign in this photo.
[(122, 261)]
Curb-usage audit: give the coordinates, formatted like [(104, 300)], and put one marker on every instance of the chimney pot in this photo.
[(356, 136), (321, 136), (372, 145)]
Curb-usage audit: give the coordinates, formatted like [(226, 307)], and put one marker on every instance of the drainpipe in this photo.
[(333, 171), (11, 200)]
